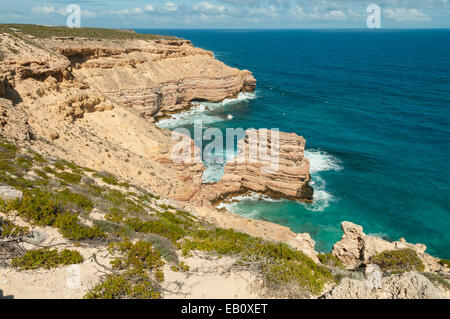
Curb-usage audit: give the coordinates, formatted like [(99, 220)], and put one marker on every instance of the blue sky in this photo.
[(230, 13)]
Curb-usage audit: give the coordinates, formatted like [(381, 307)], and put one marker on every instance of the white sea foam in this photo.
[(230, 206), (321, 161), (200, 110)]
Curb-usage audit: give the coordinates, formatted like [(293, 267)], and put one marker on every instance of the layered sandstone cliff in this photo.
[(268, 162)]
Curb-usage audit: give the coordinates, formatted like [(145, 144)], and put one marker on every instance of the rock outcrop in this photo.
[(355, 248), (8, 193), (269, 162), (152, 77), (409, 285)]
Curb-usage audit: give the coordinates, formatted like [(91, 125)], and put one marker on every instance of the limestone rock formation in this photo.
[(355, 247), (410, 285), (153, 77), (8, 193), (268, 162)]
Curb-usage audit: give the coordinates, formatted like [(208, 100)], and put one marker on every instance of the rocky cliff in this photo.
[(268, 162)]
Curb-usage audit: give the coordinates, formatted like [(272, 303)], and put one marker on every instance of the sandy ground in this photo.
[(211, 277)]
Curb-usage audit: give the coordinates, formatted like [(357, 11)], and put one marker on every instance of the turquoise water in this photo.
[(374, 108)]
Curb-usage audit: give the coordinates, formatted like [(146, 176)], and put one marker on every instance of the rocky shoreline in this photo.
[(62, 97)]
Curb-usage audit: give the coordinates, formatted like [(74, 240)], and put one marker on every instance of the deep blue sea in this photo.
[(374, 107)]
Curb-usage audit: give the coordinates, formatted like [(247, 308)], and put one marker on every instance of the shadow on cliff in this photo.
[(5, 297)]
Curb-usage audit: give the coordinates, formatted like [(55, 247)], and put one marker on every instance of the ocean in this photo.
[(374, 107)]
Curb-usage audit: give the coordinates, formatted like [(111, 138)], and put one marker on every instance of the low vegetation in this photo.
[(40, 31), (142, 233), (9, 229), (47, 258), (140, 268), (398, 260)]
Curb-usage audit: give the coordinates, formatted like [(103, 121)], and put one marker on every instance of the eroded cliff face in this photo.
[(54, 93), (155, 78), (94, 101)]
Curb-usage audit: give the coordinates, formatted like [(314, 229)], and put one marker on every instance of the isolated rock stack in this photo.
[(269, 162)]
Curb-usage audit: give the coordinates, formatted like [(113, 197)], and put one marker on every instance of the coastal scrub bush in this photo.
[(113, 287), (70, 228), (37, 206), (330, 260), (46, 258), (107, 178), (160, 227), (165, 247), (398, 260), (141, 272), (9, 229), (437, 279), (444, 262), (74, 201), (69, 177), (278, 264)]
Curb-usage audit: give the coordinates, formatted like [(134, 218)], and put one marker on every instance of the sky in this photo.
[(230, 13)]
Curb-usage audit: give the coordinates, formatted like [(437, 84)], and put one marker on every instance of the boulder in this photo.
[(355, 248), (409, 285), (8, 193)]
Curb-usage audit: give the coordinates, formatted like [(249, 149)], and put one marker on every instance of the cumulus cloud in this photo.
[(48, 10), (405, 15), (207, 7), (170, 6)]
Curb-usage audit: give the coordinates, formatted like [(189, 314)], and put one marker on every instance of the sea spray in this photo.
[(201, 111)]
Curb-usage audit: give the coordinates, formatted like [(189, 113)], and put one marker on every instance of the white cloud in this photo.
[(44, 9), (208, 7), (315, 14), (335, 15), (149, 8), (406, 15), (49, 9), (271, 11), (170, 6)]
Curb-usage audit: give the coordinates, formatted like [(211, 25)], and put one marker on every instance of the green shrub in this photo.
[(41, 174), (114, 229), (444, 262), (75, 201), (107, 178), (437, 279), (330, 260), (398, 260), (278, 264), (70, 228), (160, 227), (9, 229), (24, 162), (113, 287), (141, 268), (165, 247), (46, 258), (38, 207), (115, 215), (69, 177)]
